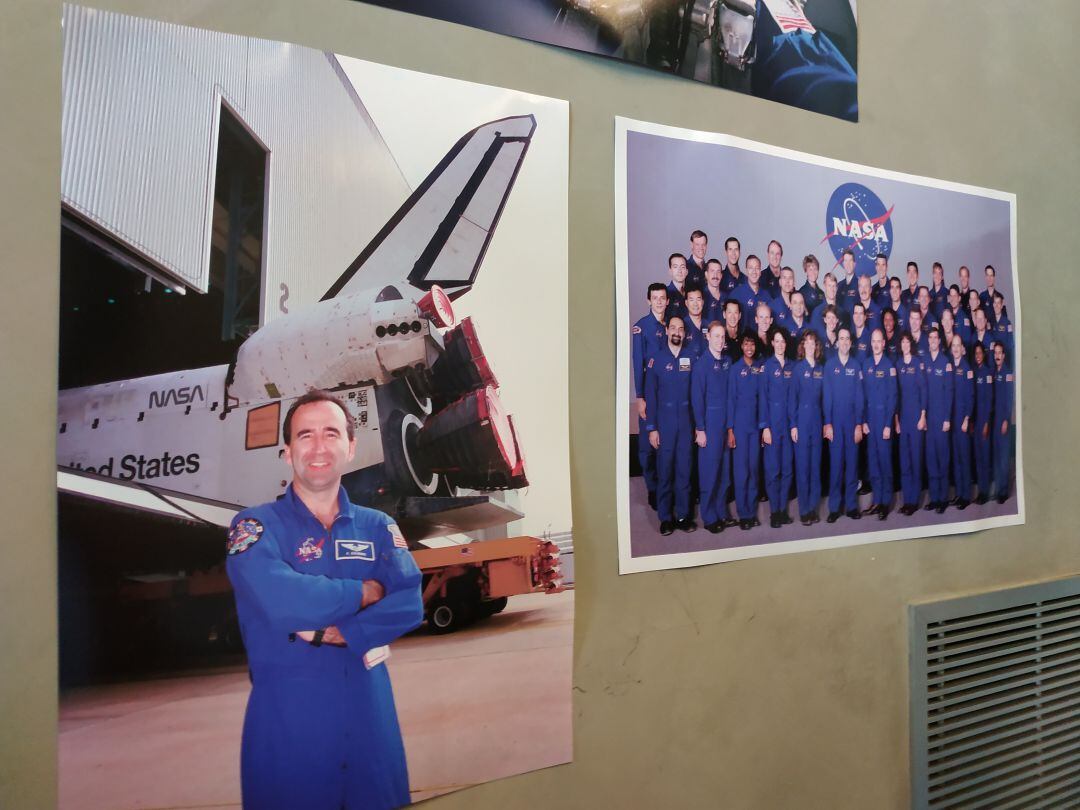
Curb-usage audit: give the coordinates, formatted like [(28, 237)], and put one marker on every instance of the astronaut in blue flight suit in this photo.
[(649, 335), (910, 295), (770, 275), (708, 401), (844, 407), (806, 407), (798, 320), (961, 318), (866, 298), (986, 297), (776, 434), (669, 428), (938, 292), (981, 332), (322, 586), (962, 421), (733, 276), (880, 389), (714, 293), (1004, 398), (695, 262), (830, 299), (676, 288), (744, 429), (911, 421), (939, 406), (847, 290), (812, 294), (879, 290), (1002, 329), (750, 293), (860, 332), (896, 304), (918, 332), (694, 322), (983, 421)]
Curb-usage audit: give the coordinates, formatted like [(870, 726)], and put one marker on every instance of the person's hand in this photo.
[(373, 592), (333, 637), (766, 436), (896, 424), (828, 433), (945, 426), (641, 408), (731, 438), (858, 434), (865, 428), (794, 435), (654, 439), (886, 433), (986, 431), (699, 438), (1005, 427), (922, 422), (964, 424)]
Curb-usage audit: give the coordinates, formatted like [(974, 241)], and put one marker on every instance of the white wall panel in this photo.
[(140, 117)]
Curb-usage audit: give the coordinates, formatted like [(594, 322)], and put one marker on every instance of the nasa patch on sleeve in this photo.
[(243, 536)]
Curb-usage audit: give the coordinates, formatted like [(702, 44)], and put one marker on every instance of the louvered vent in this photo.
[(995, 699)]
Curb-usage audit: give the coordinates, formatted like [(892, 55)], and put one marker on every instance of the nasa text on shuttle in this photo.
[(322, 586)]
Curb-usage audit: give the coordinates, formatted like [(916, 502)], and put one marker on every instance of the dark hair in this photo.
[(899, 283), (913, 264), (819, 351), (847, 252), (990, 267), (998, 295), (775, 330), (316, 395), (656, 286), (774, 242), (714, 261), (882, 256), (673, 257), (752, 256), (730, 301), (810, 258), (937, 266), (693, 288), (729, 240), (954, 287), (906, 334), (698, 235), (671, 318)]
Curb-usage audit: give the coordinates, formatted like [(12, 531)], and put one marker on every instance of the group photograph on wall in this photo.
[(811, 353), (797, 52), (314, 528)]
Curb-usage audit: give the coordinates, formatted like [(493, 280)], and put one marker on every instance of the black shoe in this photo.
[(833, 517), (864, 488), (871, 510), (755, 522), (963, 504), (854, 514), (806, 520), (815, 517), (762, 498), (953, 501), (930, 507), (774, 520), (941, 507), (686, 525), (981, 500), (882, 513), (908, 509), (652, 500), (731, 522), (666, 527), (745, 525), (715, 528), (1002, 498), (786, 519)]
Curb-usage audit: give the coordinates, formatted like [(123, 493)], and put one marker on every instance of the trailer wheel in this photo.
[(449, 614)]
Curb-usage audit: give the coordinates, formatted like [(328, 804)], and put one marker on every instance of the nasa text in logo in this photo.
[(858, 220)]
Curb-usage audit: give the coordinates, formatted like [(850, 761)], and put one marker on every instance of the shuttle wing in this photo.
[(441, 233)]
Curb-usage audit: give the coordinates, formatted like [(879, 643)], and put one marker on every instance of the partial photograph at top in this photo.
[(797, 52)]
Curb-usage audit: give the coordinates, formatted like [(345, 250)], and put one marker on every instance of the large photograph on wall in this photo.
[(811, 353), (361, 596), (797, 52)]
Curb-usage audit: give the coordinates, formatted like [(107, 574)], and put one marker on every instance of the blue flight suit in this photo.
[(910, 298), (812, 296), (873, 315), (796, 330), (781, 311), (922, 343), (828, 348), (779, 456), (939, 299), (984, 422), (708, 401), (695, 274), (748, 300), (320, 730), (714, 306), (901, 313), (962, 325), (745, 420), (769, 282), (847, 293), (676, 301), (1003, 334), (880, 295), (695, 338), (986, 298), (667, 410), (986, 339), (844, 407), (817, 320), (880, 391), (911, 378), (939, 406), (892, 346), (729, 281), (649, 337), (963, 408), (806, 407), (1004, 398), (860, 344)]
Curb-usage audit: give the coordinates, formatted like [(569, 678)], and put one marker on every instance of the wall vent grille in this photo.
[(995, 699)]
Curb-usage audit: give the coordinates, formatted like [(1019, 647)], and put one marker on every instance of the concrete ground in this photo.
[(487, 702)]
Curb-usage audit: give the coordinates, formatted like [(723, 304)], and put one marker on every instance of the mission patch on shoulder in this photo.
[(243, 536)]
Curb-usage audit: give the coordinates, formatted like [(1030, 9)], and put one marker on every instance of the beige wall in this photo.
[(767, 683)]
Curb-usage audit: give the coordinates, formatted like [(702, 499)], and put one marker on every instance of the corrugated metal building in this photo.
[(142, 111)]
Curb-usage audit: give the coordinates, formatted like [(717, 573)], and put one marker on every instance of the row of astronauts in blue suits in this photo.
[(720, 402)]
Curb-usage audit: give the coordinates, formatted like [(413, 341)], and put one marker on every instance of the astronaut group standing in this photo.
[(737, 373)]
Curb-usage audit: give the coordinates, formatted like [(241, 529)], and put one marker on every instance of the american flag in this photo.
[(788, 24), (399, 538)]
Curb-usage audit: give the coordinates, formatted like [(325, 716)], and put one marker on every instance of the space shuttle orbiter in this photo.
[(433, 440)]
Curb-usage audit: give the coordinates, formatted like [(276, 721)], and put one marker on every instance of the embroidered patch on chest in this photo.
[(310, 550), (354, 550)]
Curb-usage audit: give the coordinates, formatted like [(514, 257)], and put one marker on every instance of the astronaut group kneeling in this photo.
[(738, 372)]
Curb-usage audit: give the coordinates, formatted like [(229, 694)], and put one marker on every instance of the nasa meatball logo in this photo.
[(856, 219)]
